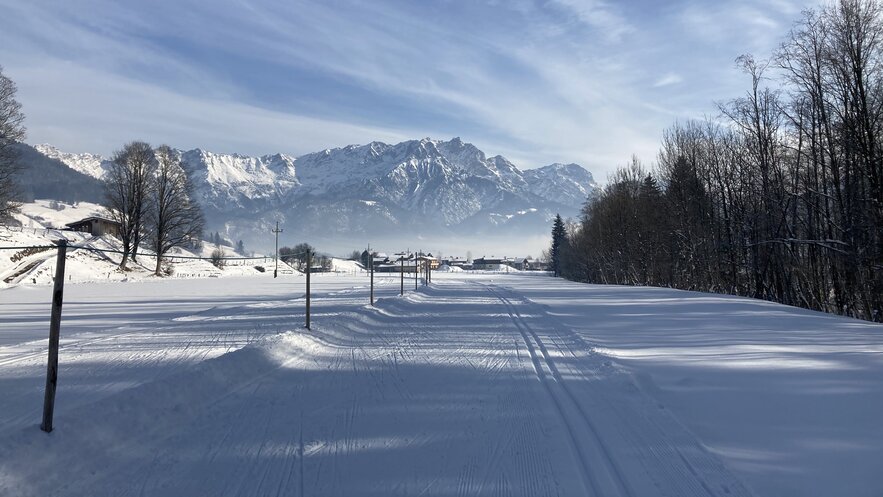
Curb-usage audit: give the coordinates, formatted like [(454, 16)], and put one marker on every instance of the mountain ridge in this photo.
[(375, 188)]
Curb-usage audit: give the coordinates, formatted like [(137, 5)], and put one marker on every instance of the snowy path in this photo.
[(476, 386)]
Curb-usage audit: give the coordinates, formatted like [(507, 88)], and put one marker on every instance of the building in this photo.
[(519, 263), (433, 262), (396, 267), (487, 263), (96, 226), (455, 261)]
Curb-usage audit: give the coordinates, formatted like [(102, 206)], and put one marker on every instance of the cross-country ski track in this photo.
[(477, 385)]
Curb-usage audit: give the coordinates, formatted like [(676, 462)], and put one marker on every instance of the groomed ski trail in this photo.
[(459, 389)]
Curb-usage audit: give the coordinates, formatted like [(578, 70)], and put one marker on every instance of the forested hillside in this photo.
[(47, 178)]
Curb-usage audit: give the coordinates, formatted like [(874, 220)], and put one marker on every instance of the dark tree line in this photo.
[(780, 199)]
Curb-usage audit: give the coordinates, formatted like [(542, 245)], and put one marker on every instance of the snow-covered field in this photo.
[(482, 384), (41, 222)]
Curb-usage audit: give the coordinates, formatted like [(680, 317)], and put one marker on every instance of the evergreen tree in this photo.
[(559, 240)]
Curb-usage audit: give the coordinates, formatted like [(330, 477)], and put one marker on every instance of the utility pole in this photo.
[(415, 271), (277, 231), (309, 264), (403, 275), (371, 255)]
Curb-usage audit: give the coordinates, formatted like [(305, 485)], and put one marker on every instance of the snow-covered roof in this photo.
[(92, 218)]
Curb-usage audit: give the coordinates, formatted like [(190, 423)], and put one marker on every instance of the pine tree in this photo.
[(559, 239)]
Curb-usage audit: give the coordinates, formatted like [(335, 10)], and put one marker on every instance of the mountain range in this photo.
[(431, 190)]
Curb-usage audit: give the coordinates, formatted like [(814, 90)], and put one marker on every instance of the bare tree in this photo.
[(126, 186), (217, 258), (12, 130), (173, 217)]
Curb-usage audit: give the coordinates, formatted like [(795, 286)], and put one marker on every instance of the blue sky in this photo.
[(538, 81)]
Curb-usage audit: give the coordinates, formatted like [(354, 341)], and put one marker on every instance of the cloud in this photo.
[(668, 79), (99, 112), (539, 81), (598, 15)]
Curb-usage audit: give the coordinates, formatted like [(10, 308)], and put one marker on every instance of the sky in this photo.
[(537, 81)]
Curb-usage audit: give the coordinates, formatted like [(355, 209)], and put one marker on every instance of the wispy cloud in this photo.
[(598, 15), (667, 80), (590, 81)]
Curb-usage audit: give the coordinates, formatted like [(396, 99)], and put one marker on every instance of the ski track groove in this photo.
[(648, 431), (565, 408)]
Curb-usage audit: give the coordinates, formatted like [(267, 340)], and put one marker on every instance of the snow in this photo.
[(38, 268), (92, 165), (41, 214), (481, 384), (345, 266)]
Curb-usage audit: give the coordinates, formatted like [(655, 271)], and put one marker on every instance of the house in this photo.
[(519, 263), (396, 267), (537, 265), (428, 258), (455, 261), (487, 263), (96, 226), (378, 259)]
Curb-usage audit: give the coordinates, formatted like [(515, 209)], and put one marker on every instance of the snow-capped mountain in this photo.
[(227, 183), (443, 188), (571, 184), (89, 164)]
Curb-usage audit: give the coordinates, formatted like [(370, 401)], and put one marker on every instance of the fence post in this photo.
[(309, 263), (403, 276), (54, 331), (372, 277)]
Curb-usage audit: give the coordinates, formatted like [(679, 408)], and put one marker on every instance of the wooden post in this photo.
[(415, 271), (372, 277), (309, 264), (403, 276), (54, 332)]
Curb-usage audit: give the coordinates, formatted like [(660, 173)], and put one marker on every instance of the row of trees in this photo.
[(296, 257), (149, 194), (780, 199)]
